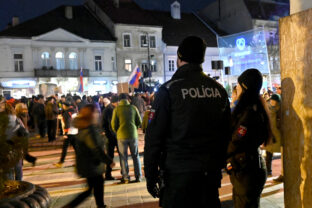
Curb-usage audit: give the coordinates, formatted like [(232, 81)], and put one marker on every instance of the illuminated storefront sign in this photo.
[(244, 50), (19, 84), (99, 82)]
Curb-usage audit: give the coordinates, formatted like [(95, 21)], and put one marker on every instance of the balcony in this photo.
[(60, 73)]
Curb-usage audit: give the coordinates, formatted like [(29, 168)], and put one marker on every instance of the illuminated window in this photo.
[(127, 40), (128, 65), (60, 61), (171, 65), (45, 58), (18, 62), (153, 66), (152, 41), (98, 63), (73, 60)]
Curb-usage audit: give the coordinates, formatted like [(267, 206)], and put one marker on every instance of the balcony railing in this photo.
[(60, 73)]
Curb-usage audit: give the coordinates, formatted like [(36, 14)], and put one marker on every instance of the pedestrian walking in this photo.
[(90, 156), (109, 133), (70, 132), (125, 123), (250, 129), (51, 113), (188, 134)]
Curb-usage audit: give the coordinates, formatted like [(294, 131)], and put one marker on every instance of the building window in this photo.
[(171, 65), (144, 67), (128, 65), (143, 40), (153, 66), (152, 41), (18, 62), (60, 61), (98, 63), (113, 64), (127, 40), (45, 57), (73, 60)]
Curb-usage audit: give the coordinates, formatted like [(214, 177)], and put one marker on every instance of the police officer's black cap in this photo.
[(251, 80), (275, 97), (192, 50)]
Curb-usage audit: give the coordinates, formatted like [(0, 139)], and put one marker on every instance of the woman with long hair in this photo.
[(90, 156), (250, 129)]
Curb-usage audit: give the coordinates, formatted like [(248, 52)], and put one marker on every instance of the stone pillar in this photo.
[(296, 74)]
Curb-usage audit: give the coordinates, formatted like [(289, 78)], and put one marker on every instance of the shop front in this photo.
[(18, 87)]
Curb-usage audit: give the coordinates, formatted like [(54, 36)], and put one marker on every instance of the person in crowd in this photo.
[(22, 113), (15, 127), (109, 133), (138, 102), (95, 102), (275, 117), (279, 91), (234, 98), (90, 156), (82, 103), (250, 129), (51, 113), (70, 132), (146, 118), (270, 92), (31, 122), (125, 123), (101, 103), (187, 137), (40, 118)]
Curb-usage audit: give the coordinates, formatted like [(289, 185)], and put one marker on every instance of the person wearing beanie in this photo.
[(250, 129), (188, 133), (108, 131)]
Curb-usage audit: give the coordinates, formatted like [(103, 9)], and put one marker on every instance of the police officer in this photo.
[(188, 134)]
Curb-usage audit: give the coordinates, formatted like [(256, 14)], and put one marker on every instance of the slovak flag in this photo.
[(81, 81), (134, 77)]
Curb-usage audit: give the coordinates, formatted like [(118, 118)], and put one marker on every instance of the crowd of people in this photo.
[(192, 132)]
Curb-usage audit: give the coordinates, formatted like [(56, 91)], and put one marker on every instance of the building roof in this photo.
[(267, 10), (128, 12), (83, 24), (175, 30)]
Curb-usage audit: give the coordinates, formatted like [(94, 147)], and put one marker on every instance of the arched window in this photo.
[(73, 60), (45, 58), (60, 61)]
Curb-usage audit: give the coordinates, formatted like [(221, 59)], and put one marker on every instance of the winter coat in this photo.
[(106, 122), (67, 118), (51, 111), (90, 155), (139, 103), (126, 121), (275, 145)]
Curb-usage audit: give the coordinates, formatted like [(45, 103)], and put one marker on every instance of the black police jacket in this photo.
[(189, 127), (249, 131)]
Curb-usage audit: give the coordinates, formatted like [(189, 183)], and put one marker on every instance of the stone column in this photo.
[(296, 74)]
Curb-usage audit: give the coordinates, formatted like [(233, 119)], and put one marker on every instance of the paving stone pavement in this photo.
[(63, 184)]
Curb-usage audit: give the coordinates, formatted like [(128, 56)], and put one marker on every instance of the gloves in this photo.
[(153, 187)]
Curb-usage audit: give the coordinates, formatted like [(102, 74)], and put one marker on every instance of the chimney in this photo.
[(116, 3), (69, 12), (176, 10), (15, 21)]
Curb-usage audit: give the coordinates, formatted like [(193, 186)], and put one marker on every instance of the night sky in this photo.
[(27, 9)]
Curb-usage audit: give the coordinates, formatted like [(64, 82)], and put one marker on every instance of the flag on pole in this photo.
[(134, 77), (81, 81)]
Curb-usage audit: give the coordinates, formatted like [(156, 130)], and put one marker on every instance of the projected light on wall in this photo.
[(244, 50)]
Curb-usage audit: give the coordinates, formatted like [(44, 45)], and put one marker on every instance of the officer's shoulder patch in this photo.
[(242, 130), (168, 84)]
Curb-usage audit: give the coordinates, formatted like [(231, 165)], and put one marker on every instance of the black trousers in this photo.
[(112, 143), (51, 129), (268, 161), (70, 140), (96, 184), (247, 187), (42, 128), (195, 189)]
